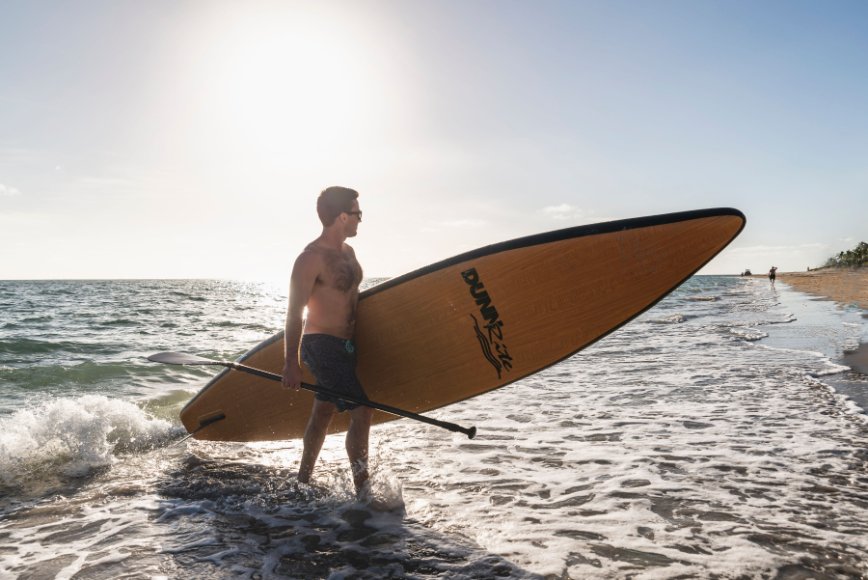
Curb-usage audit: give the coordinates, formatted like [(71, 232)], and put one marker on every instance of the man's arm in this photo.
[(301, 284)]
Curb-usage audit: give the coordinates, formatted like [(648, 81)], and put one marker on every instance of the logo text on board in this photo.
[(490, 331)]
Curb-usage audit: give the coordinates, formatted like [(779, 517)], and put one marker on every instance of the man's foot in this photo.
[(363, 491)]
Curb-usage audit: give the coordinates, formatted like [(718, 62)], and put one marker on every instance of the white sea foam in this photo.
[(671, 319), (748, 333), (73, 436), (673, 486)]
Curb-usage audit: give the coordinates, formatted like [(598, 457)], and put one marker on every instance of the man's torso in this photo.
[(331, 308)]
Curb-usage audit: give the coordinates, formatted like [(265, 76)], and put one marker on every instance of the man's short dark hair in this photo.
[(333, 201)]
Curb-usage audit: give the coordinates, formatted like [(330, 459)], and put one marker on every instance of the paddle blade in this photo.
[(180, 358)]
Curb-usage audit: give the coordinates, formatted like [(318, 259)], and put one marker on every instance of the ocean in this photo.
[(716, 436)]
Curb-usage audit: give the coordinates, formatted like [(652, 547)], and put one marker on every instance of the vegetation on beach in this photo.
[(855, 258)]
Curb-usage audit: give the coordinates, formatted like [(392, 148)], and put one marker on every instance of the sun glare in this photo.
[(283, 83)]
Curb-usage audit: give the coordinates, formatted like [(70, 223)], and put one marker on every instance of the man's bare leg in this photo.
[(314, 436), (357, 446)]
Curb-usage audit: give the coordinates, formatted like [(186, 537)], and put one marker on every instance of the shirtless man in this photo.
[(325, 279)]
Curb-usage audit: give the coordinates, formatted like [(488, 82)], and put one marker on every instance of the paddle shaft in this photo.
[(470, 432)]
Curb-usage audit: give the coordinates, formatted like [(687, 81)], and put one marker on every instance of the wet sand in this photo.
[(841, 285), (858, 359)]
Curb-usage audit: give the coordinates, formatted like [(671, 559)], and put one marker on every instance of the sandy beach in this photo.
[(841, 285)]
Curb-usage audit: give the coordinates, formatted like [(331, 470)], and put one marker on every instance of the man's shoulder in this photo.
[(310, 257)]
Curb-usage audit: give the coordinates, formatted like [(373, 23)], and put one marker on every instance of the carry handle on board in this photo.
[(180, 358)]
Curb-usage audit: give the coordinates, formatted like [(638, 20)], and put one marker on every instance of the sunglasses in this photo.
[(358, 214)]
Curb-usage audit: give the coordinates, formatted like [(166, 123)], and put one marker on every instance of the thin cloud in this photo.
[(568, 212), (8, 191)]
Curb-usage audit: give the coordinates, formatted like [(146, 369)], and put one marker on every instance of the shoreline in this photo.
[(844, 286)]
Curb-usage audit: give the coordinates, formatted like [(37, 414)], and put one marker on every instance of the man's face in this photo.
[(355, 218)]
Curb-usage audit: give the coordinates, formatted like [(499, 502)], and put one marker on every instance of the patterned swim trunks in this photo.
[(332, 360)]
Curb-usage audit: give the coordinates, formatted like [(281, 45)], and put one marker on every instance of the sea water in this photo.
[(717, 435)]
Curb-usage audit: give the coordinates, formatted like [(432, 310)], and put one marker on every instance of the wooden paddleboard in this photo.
[(480, 321)]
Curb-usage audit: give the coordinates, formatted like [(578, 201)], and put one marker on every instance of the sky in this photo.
[(190, 138)]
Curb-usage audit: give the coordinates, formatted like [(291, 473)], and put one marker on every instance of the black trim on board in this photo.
[(560, 235), (535, 240)]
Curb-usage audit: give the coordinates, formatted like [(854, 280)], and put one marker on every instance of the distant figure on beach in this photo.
[(325, 280), (772, 272)]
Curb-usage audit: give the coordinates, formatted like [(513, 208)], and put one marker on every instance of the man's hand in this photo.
[(291, 375)]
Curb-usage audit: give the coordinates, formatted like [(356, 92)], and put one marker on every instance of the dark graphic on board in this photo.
[(490, 332)]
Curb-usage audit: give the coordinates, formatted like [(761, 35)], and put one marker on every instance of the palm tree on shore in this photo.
[(855, 258)]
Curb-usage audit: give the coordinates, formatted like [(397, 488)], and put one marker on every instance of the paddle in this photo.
[(180, 358)]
